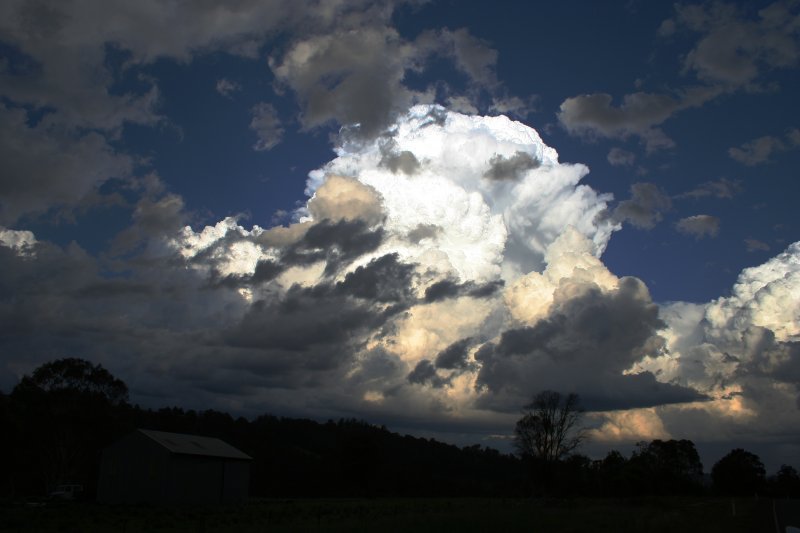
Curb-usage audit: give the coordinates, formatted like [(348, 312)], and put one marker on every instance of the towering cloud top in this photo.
[(490, 195)]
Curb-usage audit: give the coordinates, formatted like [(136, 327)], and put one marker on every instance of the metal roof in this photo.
[(195, 445)]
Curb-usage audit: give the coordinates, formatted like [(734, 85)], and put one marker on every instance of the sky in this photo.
[(415, 213)]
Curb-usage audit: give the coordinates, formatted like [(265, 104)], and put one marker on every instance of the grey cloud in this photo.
[(645, 206), (402, 161), (67, 72), (756, 151), (754, 245), (153, 216), (267, 270), (267, 125), (304, 318), (735, 51), (639, 114), (337, 242), (385, 279), (760, 150), (226, 87), (484, 290), (474, 56), (441, 290), (510, 168), (423, 231), (350, 77), (355, 76), (114, 289), (619, 157), (699, 226), (461, 103), (794, 136), (722, 188), (513, 106), (47, 166)]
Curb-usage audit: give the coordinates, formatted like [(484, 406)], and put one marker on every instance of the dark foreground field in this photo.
[(387, 515)]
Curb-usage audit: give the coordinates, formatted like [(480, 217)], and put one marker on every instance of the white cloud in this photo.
[(767, 296), (485, 225), (21, 241)]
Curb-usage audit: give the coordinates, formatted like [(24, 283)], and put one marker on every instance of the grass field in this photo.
[(681, 515)]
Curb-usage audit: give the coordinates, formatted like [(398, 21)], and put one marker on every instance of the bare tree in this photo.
[(549, 428)]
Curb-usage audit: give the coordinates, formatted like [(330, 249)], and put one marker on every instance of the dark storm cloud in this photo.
[(425, 374), (114, 289), (448, 288), (510, 168), (583, 346), (455, 356), (303, 318), (332, 315), (385, 279), (645, 207), (337, 242)]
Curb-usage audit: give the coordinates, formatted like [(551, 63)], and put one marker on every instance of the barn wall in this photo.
[(137, 469), (132, 470), (236, 483), (195, 479)]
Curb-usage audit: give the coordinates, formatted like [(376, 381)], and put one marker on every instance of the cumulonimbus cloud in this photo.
[(428, 286)]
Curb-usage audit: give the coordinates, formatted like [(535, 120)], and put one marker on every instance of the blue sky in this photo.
[(144, 144)]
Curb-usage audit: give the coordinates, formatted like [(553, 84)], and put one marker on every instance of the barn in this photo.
[(164, 468)]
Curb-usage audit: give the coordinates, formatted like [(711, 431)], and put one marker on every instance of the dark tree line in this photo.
[(58, 420)]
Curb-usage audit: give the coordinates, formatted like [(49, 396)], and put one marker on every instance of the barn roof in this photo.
[(195, 445)]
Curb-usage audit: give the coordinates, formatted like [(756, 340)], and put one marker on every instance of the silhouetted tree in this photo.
[(548, 429), (611, 474), (70, 405), (738, 473), (786, 482), (667, 466), (77, 376)]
